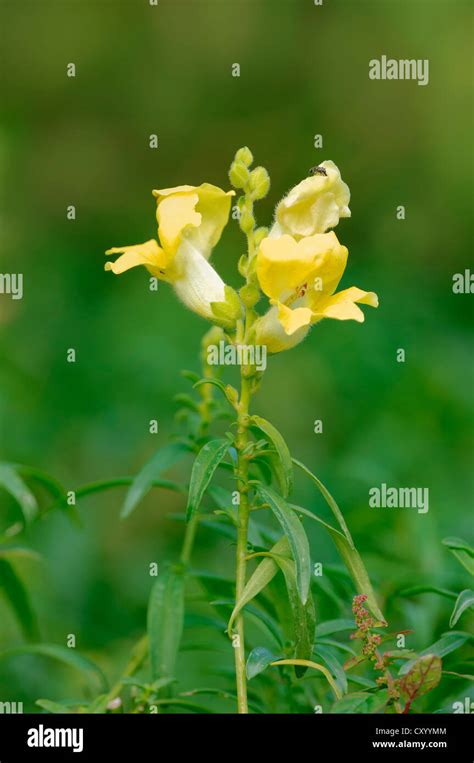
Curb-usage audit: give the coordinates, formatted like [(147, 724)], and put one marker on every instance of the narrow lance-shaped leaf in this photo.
[(62, 654), (165, 622), (285, 473), (448, 643), (17, 595), (463, 552), (260, 578), (351, 558), (328, 498), (463, 602), (337, 670), (315, 666), (303, 615), (13, 484), (158, 463), (206, 463), (297, 538)]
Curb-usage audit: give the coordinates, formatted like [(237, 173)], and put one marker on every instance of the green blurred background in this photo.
[(84, 141)]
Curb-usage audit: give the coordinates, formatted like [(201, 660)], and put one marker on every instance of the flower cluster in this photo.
[(298, 263), (364, 622)]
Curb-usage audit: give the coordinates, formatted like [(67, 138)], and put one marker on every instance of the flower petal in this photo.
[(314, 205), (270, 332), (174, 213), (292, 320), (148, 254), (342, 306), (283, 265)]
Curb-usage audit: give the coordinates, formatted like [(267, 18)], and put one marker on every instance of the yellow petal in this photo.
[(214, 208), (314, 205), (283, 265), (148, 254), (270, 332), (197, 213), (292, 320), (173, 213), (343, 307)]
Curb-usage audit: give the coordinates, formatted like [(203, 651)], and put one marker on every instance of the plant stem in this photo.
[(188, 540), (242, 529), (247, 373)]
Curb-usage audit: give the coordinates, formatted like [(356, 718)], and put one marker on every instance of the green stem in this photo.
[(188, 540), (242, 473), (139, 652), (242, 531)]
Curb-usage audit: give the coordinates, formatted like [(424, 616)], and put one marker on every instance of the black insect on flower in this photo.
[(319, 170)]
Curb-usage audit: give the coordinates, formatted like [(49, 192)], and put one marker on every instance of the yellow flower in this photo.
[(314, 205), (190, 223), (301, 278)]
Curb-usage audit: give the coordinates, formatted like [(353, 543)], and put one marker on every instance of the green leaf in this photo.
[(165, 622), (415, 590), (315, 666), (334, 626), (50, 483), (361, 702), (206, 463), (260, 578), (230, 393), (158, 463), (258, 660), (462, 551), (328, 498), (303, 615), (351, 558), (18, 597), (61, 653), (13, 484), (334, 666), (285, 473), (423, 676), (297, 538), (463, 602), (448, 643), (53, 707)]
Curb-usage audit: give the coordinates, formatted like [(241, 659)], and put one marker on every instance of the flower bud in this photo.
[(242, 266), (238, 175), (244, 155), (247, 220), (249, 294), (259, 183), (259, 235), (228, 312)]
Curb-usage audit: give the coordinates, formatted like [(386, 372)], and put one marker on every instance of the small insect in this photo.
[(318, 171)]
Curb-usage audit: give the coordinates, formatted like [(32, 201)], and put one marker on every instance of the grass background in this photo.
[(84, 141)]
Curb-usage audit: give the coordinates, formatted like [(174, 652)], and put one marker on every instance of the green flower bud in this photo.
[(245, 156), (249, 294), (259, 235), (242, 266), (259, 183), (238, 174), (228, 312), (247, 220)]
